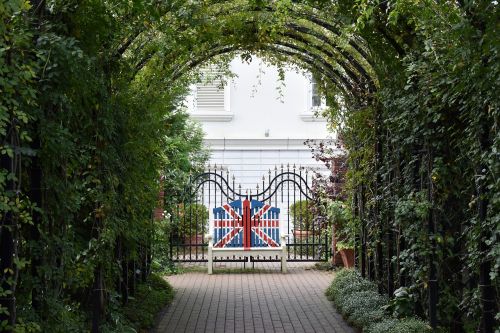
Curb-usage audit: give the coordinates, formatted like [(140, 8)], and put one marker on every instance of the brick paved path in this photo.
[(261, 301)]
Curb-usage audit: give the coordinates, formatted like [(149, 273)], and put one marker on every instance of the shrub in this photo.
[(301, 214), (192, 219), (366, 317), (360, 303), (362, 307), (342, 280), (149, 299), (355, 287)]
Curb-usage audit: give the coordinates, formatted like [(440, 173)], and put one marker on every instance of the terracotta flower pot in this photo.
[(337, 259), (303, 234), (347, 257), (193, 240)]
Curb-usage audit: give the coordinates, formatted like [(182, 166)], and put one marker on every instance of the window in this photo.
[(211, 97), (315, 103), (316, 100), (210, 94)]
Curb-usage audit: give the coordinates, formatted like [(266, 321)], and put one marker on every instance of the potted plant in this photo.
[(343, 226), (346, 251), (302, 219)]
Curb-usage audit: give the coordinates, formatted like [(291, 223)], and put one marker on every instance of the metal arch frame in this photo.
[(210, 180), (321, 31)]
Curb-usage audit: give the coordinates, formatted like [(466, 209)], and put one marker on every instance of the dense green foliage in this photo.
[(192, 219), (149, 299), (358, 300), (85, 142), (424, 160), (343, 222), (302, 215), (392, 325), (90, 93)]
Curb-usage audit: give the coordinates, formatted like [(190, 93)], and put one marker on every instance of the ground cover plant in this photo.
[(360, 303), (149, 299)]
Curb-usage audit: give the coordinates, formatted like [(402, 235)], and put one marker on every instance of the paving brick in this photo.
[(261, 301)]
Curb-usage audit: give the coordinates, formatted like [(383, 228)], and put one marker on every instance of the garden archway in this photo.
[(97, 82), (296, 34)]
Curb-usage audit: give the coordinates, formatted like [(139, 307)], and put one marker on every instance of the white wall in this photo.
[(237, 136), (255, 105)]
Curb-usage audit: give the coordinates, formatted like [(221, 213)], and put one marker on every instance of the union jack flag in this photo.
[(246, 224)]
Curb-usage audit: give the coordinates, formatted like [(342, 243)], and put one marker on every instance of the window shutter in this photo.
[(210, 95)]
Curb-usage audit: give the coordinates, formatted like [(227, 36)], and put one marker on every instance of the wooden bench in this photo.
[(245, 229)]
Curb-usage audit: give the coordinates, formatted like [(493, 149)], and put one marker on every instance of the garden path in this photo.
[(260, 300)]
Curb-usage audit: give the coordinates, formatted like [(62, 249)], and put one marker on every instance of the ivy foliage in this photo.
[(424, 160), (91, 126), (85, 146)]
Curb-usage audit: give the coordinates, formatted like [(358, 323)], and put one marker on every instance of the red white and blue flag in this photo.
[(245, 223)]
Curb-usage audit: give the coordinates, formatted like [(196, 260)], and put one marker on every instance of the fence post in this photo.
[(284, 255), (210, 258)]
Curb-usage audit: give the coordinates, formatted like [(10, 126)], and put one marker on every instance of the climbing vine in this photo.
[(92, 127)]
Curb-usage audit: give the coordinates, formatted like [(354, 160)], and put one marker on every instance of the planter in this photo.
[(347, 257), (337, 259), (303, 234), (193, 240)]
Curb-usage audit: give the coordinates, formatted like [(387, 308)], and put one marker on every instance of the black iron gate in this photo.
[(287, 189)]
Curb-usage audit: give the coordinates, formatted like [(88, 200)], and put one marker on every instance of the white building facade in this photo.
[(255, 122)]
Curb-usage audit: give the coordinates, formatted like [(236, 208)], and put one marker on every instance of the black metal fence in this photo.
[(286, 188)]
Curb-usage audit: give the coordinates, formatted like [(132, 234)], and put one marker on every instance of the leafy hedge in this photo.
[(360, 303), (302, 215), (192, 219), (150, 298)]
